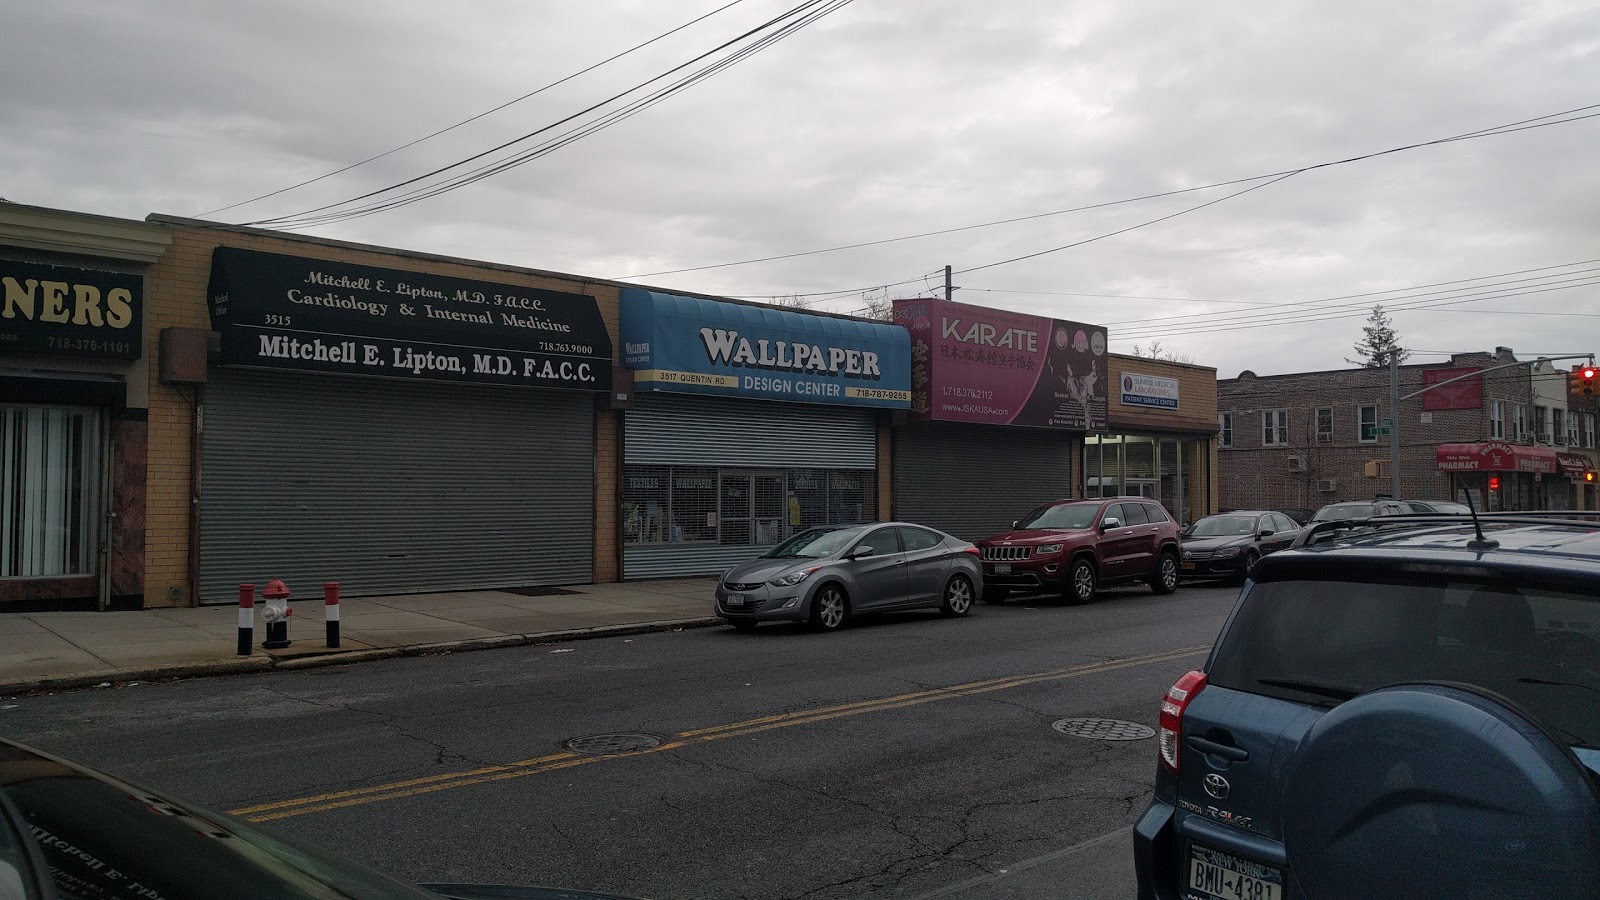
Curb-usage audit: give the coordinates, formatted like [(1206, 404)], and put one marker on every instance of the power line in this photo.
[(804, 14), (1292, 303), (552, 144), (1395, 304), (1173, 331), (488, 112), (1507, 128)]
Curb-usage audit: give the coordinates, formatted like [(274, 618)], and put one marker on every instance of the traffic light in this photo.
[(1494, 482), (1582, 381)]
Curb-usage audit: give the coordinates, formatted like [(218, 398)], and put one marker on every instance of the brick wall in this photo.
[(177, 298), (1250, 474)]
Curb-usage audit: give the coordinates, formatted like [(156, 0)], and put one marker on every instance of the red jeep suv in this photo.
[(1074, 546)]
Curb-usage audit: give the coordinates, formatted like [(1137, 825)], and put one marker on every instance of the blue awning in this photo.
[(697, 346)]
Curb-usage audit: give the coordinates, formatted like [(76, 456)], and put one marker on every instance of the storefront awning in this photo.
[(1572, 463), (693, 345), (1496, 456)]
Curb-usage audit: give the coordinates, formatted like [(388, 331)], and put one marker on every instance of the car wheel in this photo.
[(995, 595), (1165, 580), (957, 598), (829, 608), (1250, 559), (742, 624), (1081, 581)]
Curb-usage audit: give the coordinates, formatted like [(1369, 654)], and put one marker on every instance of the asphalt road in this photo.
[(908, 756)]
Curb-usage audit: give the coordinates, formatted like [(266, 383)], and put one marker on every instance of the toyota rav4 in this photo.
[(1071, 547), (1401, 706)]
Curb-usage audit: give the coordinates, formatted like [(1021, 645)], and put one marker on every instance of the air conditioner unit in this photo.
[(1328, 485), (1544, 437), (1297, 463), (1325, 438)]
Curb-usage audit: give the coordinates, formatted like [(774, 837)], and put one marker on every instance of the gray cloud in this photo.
[(883, 119)]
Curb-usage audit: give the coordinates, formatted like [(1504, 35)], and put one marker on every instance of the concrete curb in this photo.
[(251, 664)]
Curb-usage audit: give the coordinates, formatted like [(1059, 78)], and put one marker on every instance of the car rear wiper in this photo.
[(1336, 692)]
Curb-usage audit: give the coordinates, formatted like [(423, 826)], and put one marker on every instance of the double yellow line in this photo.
[(300, 806)]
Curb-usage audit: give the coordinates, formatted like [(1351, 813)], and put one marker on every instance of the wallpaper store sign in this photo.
[(694, 345), (973, 364), (286, 312)]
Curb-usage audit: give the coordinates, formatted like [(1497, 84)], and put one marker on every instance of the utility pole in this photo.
[(1394, 422), (949, 292)]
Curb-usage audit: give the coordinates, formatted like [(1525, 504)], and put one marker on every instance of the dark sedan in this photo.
[(1228, 545)]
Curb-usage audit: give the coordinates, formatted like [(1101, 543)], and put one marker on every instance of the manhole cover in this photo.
[(1104, 729), (607, 744)]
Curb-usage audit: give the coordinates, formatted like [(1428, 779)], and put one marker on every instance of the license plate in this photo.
[(1188, 567), (1214, 875), (1002, 568), (735, 599)]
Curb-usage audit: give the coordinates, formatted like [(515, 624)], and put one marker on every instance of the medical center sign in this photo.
[(285, 312), (701, 346)]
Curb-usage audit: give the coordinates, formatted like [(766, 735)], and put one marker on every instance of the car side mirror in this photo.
[(859, 552), (1015, 523), (1266, 532), (1110, 522)]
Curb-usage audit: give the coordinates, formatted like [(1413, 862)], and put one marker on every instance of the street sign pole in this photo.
[(1394, 422)]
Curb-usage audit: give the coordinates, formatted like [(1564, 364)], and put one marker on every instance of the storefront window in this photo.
[(50, 470), (1170, 470), (739, 507)]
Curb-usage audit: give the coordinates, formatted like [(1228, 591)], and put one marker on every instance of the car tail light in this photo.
[(973, 550), (1178, 698)]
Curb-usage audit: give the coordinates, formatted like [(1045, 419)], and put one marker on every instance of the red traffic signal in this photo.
[(1582, 381), (1494, 482)]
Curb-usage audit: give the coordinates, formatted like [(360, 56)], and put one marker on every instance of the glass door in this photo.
[(735, 512), (770, 506)]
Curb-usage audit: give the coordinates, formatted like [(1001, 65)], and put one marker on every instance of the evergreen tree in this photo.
[(1378, 337)]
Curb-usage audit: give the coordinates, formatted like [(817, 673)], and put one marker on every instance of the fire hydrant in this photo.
[(277, 614)]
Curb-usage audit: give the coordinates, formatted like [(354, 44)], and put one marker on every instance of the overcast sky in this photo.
[(884, 119)]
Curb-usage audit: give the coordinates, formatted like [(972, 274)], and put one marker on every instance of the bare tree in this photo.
[(793, 301), (1155, 350), (880, 308)]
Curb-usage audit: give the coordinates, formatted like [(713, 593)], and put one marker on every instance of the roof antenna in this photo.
[(1480, 542)]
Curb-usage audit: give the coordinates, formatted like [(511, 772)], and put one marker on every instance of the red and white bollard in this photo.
[(247, 617), (330, 596), (276, 615)]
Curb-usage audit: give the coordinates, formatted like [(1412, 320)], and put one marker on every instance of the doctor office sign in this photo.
[(285, 312)]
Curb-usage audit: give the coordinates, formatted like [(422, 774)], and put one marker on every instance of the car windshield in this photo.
[(1324, 641), (816, 543), (1220, 526), (1344, 511), (1066, 516)]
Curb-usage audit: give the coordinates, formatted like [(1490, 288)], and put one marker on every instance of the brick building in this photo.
[(1311, 438)]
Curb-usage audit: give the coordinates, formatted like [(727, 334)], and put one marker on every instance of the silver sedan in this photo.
[(825, 575)]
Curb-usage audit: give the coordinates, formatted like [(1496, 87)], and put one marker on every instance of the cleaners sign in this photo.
[(698, 346), (286, 312)]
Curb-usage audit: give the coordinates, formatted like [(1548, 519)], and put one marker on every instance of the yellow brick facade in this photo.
[(177, 298), (1194, 421)]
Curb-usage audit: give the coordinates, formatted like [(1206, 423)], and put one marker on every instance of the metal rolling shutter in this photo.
[(732, 434), (392, 487), (972, 481)]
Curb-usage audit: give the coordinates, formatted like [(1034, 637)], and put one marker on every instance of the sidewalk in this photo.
[(60, 650)]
